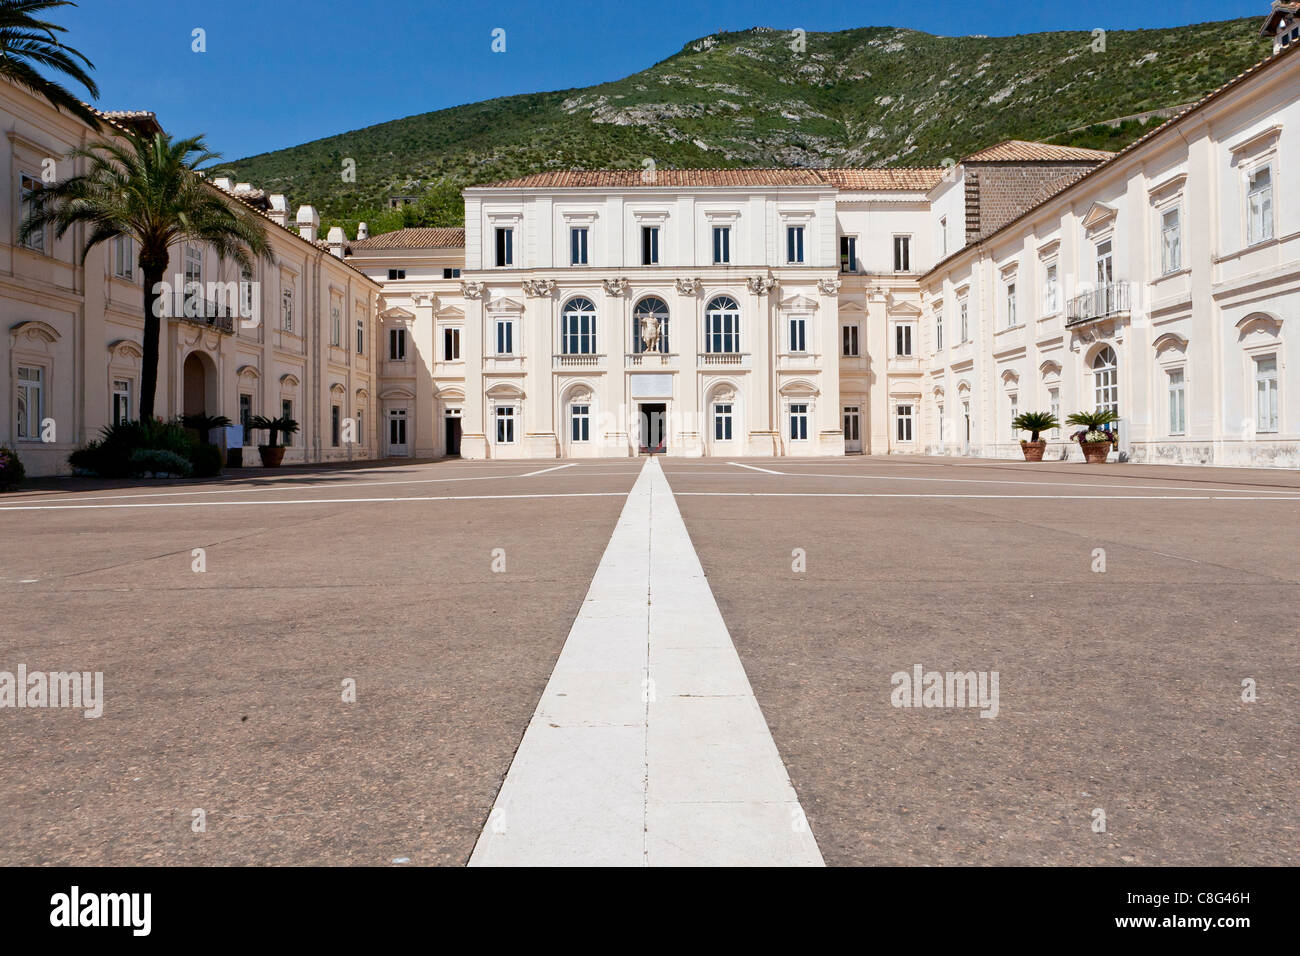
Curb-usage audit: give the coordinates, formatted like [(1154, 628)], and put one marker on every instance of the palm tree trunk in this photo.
[(152, 323)]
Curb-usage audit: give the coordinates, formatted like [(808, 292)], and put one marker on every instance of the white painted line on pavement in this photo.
[(648, 747), (863, 494), (767, 471), (307, 501), (1012, 481), (546, 470)]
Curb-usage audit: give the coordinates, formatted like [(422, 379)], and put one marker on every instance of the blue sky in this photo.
[(281, 72)]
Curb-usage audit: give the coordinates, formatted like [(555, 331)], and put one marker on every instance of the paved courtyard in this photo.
[(732, 629)]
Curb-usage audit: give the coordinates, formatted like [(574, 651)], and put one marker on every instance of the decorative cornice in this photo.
[(539, 288)]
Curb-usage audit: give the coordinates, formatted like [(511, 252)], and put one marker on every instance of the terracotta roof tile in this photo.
[(623, 178), (1023, 151), (921, 178), (440, 237)]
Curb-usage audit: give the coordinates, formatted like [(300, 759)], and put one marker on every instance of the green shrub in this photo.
[(11, 469), (206, 461), (110, 455), (159, 461)]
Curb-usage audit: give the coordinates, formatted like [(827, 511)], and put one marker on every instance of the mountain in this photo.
[(867, 97)]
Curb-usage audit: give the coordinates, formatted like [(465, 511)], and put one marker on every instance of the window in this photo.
[(246, 416), (903, 339), (247, 294), (123, 260), (1105, 380), (580, 421), (850, 341), (361, 427), (1011, 304), (121, 401), (336, 324), (286, 310), (396, 427), (505, 336), (794, 244), (722, 421), (1105, 264), (578, 328), (943, 236), (336, 422), (451, 273), (397, 345), (451, 345), (1013, 401), (903, 420), (578, 246), (286, 411), (1177, 402), (193, 287), (721, 244), (651, 307), (505, 425), (848, 253), (938, 329), (361, 336), (799, 422), (1054, 402), (1051, 295), (30, 186), (902, 253), (395, 274), (649, 245), (722, 325), (31, 402), (1266, 406), (1259, 205), (1171, 241), (505, 247), (852, 423), (798, 333), (965, 320)]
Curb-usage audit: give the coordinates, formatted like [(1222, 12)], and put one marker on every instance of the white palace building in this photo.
[(764, 312)]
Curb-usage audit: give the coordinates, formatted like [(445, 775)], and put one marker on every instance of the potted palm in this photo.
[(203, 423), (273, 454), (1094, 437), (1035, 423)]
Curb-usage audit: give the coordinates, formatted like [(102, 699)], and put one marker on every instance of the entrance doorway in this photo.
[(397, 447), (853, 428), (453, 432), (654, 428)]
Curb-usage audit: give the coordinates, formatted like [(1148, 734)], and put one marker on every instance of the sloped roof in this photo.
[(921, 178), (918, 178), (1024, 151), (440, 237)]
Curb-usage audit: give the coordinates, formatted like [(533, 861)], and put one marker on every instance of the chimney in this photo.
[(279, 211), (363, 231), (336, 241), (308, 223), (224, 182), (243, 187)]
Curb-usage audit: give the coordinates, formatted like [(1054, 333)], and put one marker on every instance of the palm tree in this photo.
[(27, 43), (275, 426), (1094, 421), (203, 423), (1035, 423), (151, 189)]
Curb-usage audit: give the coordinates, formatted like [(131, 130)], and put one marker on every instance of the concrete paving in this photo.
[(1120, 690), (648, 747)]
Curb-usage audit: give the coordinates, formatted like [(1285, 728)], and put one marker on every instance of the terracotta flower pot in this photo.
[(1095, 452), (1033, 450), (272, 455)]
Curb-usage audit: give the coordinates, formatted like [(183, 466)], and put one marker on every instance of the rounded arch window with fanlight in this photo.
[(651, 309), (578, 327), (722, 325)]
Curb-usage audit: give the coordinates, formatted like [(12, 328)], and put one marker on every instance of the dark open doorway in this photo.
[(654, 428), (453, 435)]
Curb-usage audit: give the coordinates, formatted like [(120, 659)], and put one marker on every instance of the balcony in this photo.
[(200, 310), (650, 360), (581, 360), (1102, 302), (724, 359)]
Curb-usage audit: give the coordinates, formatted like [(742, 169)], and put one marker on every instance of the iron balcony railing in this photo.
[(1099, 303), (204, 311)]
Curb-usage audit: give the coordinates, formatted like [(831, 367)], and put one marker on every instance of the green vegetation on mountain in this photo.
[(876, 96)]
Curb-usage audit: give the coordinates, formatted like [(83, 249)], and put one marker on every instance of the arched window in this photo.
[(1105, 380), (655, 308), (722, 325), (578, 327)]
